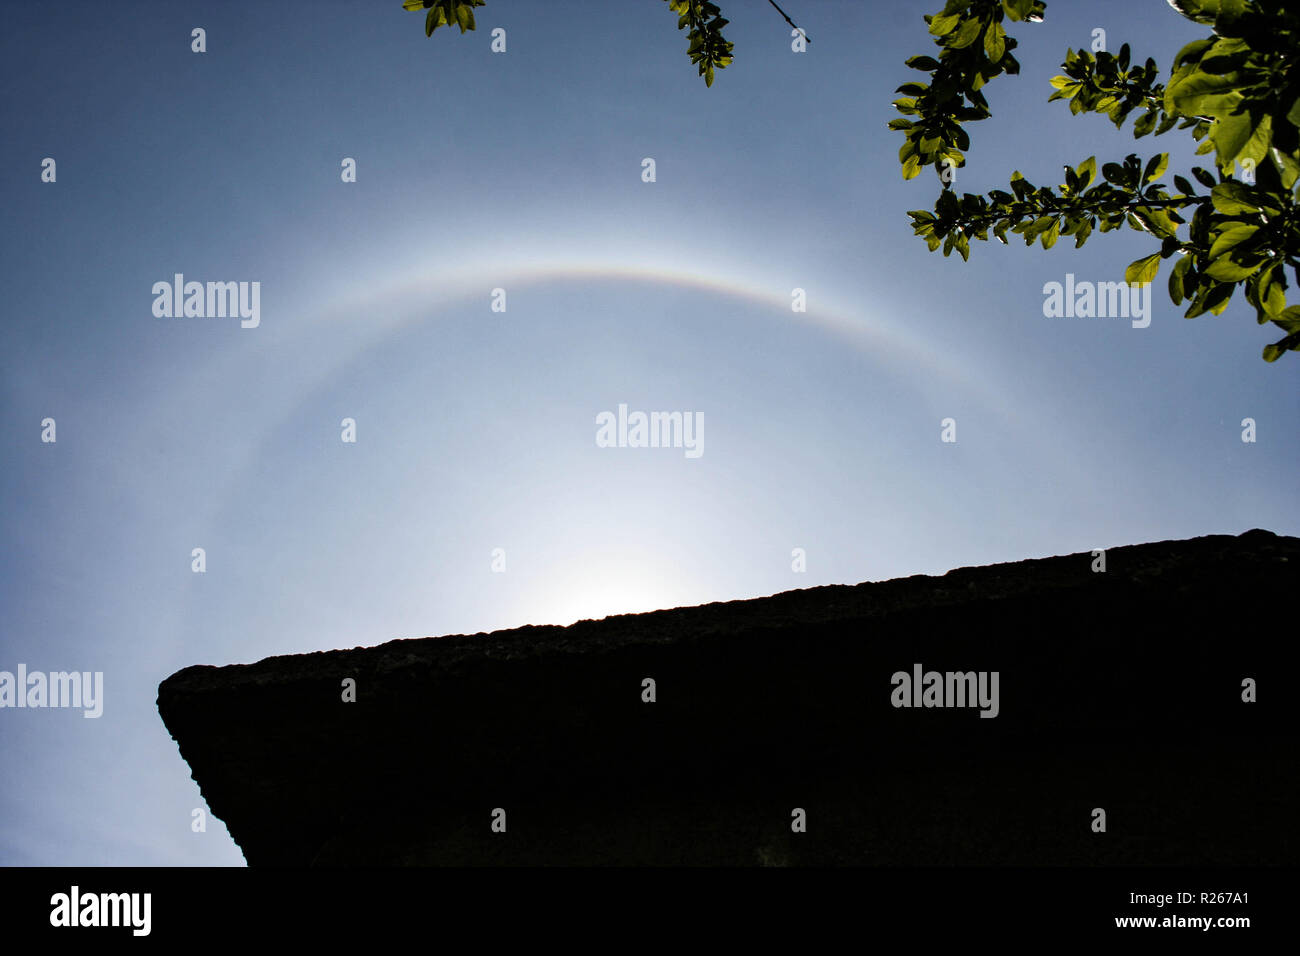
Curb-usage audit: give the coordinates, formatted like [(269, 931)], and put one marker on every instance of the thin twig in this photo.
[(789, 21)]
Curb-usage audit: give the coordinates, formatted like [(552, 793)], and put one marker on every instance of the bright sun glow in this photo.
[(606, 591)]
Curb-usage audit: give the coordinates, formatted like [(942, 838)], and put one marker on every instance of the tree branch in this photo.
[(789, 21)]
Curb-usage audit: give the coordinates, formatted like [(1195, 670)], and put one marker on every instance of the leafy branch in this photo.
[(708, 48), (1237, 92), (445, 13)]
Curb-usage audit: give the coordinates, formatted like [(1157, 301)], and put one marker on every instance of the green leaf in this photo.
[(927, 63), (1114, 173), (1289, 319), (941, 25), (994, 42), (1273, 298), (1143, 270), (1227, 269), (1235, 136), (1217, 301), (1233, 199), (1289, 164), (1204, 178), (1087, 171), (1156, 167), (1230, 238), (1197, 306), (1202, 11), (1202, 94), (1156, 222), (1212, 297), (966, 34), (1261, 139), (1177, 278), (1018, 9)]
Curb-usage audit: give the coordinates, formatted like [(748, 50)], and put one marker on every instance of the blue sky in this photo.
[(475, 429)]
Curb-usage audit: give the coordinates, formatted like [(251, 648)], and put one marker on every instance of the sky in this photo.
[(476, 495)]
